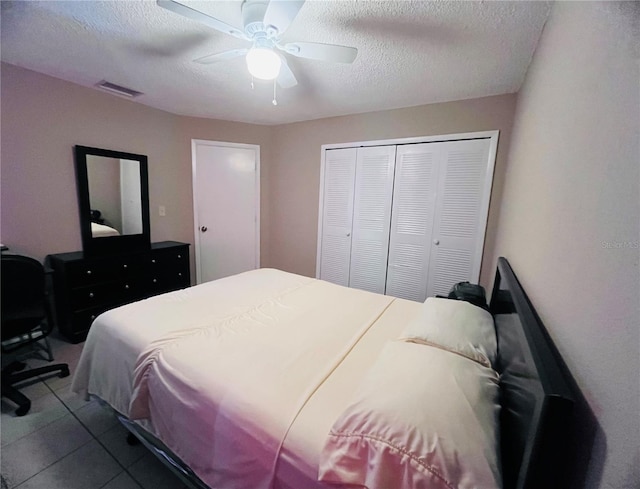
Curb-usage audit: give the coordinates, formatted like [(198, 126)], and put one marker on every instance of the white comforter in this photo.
[(244, 378), (221, 371)]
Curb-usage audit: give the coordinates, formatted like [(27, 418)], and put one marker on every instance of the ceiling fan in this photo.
[(264, 23)]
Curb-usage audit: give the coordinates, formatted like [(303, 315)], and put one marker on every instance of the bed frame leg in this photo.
[(132, 440)]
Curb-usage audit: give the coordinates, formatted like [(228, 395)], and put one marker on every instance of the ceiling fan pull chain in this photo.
[(274, 101)]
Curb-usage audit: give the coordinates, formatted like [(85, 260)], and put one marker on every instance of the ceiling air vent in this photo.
[(117, 89)]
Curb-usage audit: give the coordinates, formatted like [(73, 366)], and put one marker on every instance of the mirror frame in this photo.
[(110, 244)]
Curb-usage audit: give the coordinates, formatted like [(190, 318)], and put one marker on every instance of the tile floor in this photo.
[(67, 443)]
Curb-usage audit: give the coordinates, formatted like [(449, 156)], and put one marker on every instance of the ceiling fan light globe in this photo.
[(263, 63)]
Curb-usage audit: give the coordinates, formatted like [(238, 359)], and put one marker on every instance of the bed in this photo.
[(272, 380), (101, 230)]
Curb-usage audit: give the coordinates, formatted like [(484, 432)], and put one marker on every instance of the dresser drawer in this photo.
[(117, 292), (82, 320), (174, 259), (168, 280), (88, 272)]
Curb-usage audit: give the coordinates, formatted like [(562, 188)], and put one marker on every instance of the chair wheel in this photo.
[(19, 366), (64, 372), (132, 440), (24, 409)]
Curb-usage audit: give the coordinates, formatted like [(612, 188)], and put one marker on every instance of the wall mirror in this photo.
[(113, 196)]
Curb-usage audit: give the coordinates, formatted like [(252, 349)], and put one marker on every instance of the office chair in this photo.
[(26, 319)]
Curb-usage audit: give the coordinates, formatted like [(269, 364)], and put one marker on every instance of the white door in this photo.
[(462, 204), (226, 193), (336, 209), (371, 218), (414, 202)]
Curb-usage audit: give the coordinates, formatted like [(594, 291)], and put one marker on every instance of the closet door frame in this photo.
[(484, 207)]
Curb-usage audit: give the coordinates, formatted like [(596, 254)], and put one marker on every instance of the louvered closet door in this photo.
[(416, 180), (461, 212), (337, 215), (371, 217)]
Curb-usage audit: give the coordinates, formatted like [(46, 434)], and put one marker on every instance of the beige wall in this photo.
[(44, 117), (295, 170), (569, 219)]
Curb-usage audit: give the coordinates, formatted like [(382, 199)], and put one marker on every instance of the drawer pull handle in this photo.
[(155, 280), (179, 274), (88, 272), (124, 266), (153, 261), (90, 294)]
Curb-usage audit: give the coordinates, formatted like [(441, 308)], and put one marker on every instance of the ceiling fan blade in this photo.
[(214, 58), (286, 78), (323, 52), (205, 19), (280, 13)]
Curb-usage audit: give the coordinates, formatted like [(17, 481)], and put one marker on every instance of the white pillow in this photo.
[(422, 418), (457, 326)]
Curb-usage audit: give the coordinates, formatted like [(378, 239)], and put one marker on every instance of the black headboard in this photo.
[(536, 397)]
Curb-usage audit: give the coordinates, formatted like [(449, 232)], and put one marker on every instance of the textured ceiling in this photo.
[(409, 53)]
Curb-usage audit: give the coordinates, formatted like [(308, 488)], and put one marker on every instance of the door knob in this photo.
[(203, 229), (436, 242)]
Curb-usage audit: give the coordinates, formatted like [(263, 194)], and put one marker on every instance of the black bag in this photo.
[(473, 293)]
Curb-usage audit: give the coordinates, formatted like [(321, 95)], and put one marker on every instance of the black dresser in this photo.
[(85, 287)]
